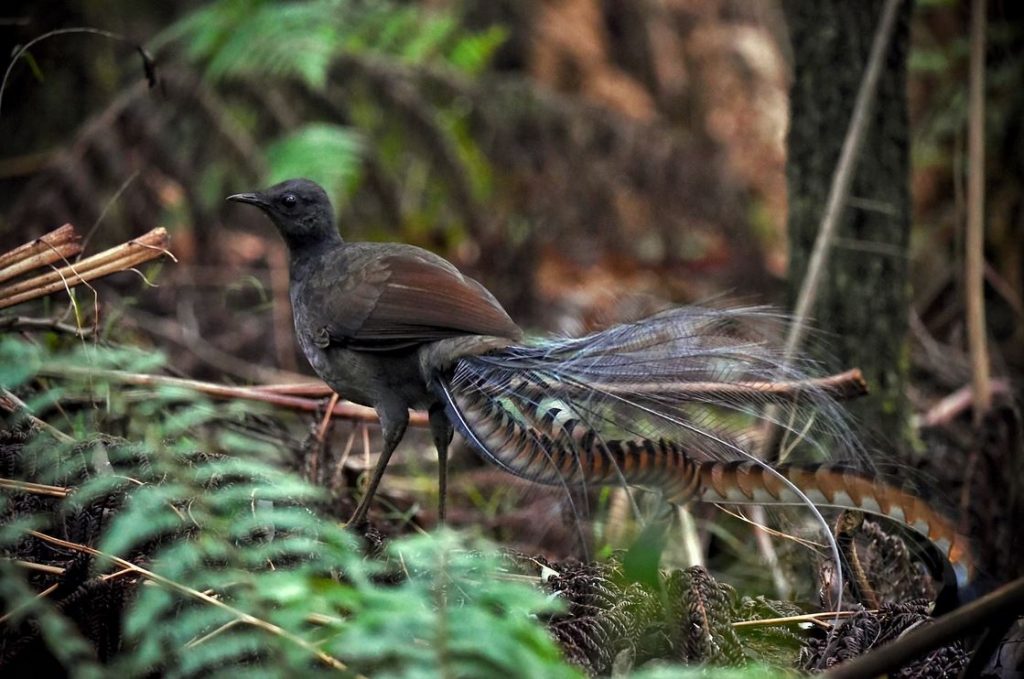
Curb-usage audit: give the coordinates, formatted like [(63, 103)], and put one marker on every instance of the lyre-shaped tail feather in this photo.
[(744, 483), (539, 455), (667, 402)]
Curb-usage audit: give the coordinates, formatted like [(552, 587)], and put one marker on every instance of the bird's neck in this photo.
[(305, 254)]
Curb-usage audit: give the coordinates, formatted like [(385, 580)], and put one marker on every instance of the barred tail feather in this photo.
[(747, 484), (673, 402)]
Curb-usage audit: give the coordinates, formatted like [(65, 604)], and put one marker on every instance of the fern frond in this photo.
[(327, 154), (241, 567)]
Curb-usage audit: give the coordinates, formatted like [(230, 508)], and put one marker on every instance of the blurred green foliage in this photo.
[(243, 39), (209, 513), (271, 42), (327, 154)]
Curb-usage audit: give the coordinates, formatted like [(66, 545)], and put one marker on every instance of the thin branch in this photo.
[(974, 259), (106, 208), (34, 488), (147, 60), (53, 570), (13, 404), (119, 258), (320, 438), (1006, 601), (770, 555), (339, 468), (310, 389), (950, 407), (183, 331), (815, 618), (50, 324), (25, 604), (52, 247), (242, 616), (346, 410), (41, 567), (839, 190)]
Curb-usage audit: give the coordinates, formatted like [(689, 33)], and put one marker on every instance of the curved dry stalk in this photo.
[(975, 241), (813, 618), (345, 410), (839, 190), (241, 616)]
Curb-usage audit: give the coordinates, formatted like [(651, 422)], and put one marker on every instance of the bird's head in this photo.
[(299, 208)]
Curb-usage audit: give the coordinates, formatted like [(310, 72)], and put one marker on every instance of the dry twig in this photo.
[(242, 616), (120, 258), (57, 245), (1008, 600), (27, 323), (344, 410), (34, 488), (839, 190), (975, 241), (13, 404)]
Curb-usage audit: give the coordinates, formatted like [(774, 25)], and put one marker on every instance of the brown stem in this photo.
[(311, 389), (34, 488), (120, 258), (345, 410), (40, 252), (846, 385), (52, 255), (848, 525), (950, 407), (242, 616), (975, 240), (969, 619), (26, 323)]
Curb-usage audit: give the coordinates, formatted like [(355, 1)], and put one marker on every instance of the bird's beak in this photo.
[(250, 198)]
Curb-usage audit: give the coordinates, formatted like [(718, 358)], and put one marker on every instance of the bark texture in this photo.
[(864, 303)]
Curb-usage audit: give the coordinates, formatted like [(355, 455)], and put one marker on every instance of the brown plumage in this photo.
[(391, 296), (396, 327), (379, 321), (542, 452)]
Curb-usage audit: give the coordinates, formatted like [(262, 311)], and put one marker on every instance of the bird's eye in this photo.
[(289, 200)]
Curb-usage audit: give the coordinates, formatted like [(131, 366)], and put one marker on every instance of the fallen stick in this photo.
[(1007, 601), (55, 246), (345, 410), (841, 386), (13, 404), (119, 258), (311, 389), (34, 488)]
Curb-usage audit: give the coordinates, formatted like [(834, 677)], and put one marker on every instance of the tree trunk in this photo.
[(864, 301)]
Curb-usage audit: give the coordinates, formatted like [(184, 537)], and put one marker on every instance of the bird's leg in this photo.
[(393, 421), (442, 430)]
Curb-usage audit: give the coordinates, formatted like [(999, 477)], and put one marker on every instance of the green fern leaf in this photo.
[(327, 154)]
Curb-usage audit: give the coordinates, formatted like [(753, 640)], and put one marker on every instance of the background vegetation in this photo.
[(589, 162)]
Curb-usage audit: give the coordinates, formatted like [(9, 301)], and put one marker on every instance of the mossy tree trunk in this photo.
[(864, 297)]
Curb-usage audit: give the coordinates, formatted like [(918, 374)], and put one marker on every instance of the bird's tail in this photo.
[(674, 402)]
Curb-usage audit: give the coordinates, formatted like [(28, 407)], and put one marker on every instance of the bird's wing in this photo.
[(394, 297)]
